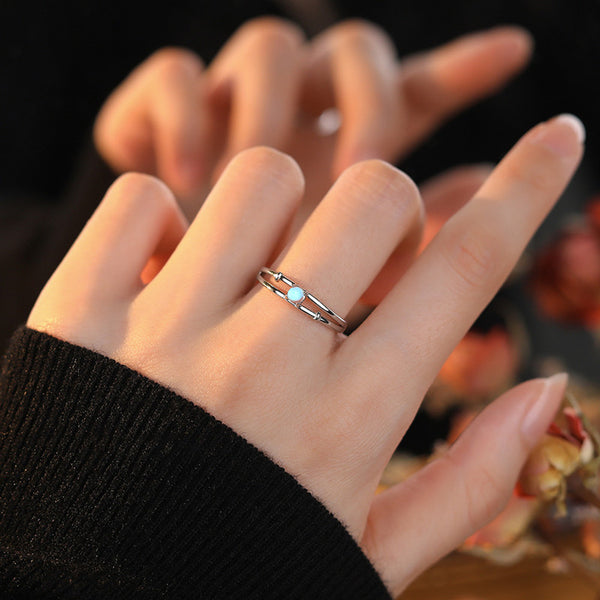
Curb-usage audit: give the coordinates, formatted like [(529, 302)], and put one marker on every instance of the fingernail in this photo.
[(485, 166), (563, 135), (574, 123), (484, 169), (542, 410), (518, 40)]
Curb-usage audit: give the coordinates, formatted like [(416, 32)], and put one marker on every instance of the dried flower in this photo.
[(565, 278), (481, 367), (567, 447), (548, 465)]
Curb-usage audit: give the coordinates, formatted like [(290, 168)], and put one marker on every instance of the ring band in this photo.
[(296, 295)]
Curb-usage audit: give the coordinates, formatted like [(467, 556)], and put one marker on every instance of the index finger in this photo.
[(411, 333)]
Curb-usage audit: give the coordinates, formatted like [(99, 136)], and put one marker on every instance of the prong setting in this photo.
[(296, 294)]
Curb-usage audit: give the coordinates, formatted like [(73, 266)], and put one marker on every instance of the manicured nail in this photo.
[(542, 410), (575, 123), (483, 169), (563, 135)]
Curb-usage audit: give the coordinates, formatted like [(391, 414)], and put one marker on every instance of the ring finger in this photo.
[(351, 234)]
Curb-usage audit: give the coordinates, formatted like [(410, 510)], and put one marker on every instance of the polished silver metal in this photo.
[(325, 315)]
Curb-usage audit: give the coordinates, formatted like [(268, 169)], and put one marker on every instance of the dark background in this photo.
[(60, 60)]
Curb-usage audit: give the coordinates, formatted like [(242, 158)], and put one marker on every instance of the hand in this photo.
[(176, 119), (330, 409)]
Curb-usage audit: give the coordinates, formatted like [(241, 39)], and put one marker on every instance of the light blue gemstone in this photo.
[(295, 294)]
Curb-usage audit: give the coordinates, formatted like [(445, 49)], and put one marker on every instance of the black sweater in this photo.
[(112, 486)]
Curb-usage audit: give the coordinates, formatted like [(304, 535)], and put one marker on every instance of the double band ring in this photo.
[(296, 296)]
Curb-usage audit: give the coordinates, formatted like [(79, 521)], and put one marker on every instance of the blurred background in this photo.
[(60, 61)]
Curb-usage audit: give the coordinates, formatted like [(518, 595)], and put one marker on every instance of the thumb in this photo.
[(418, 521)]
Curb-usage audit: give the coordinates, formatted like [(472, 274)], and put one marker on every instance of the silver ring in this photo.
[(295, 295)]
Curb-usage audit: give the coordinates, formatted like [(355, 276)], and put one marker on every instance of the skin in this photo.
[(180, 305), (183, 121)]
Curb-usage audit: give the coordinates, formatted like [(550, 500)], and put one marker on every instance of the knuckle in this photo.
[(364, 33), (132, 190), (175, 62), (263, 159), (482, 493), (538, 175), (272, 33), (474, 254), (485, 498), (380, 184)]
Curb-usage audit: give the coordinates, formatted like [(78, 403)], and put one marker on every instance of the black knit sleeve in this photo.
[(112, 486)]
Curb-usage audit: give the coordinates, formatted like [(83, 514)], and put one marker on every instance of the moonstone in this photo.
[(295, 294)]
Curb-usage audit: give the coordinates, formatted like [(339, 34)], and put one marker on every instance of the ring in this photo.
[(295, 295)]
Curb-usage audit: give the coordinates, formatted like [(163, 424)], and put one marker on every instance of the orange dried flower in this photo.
[(564, 449), (548, 465), (481, 367), (565, 278)]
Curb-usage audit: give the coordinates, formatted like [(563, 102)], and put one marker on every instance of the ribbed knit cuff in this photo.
[(112, 486)]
